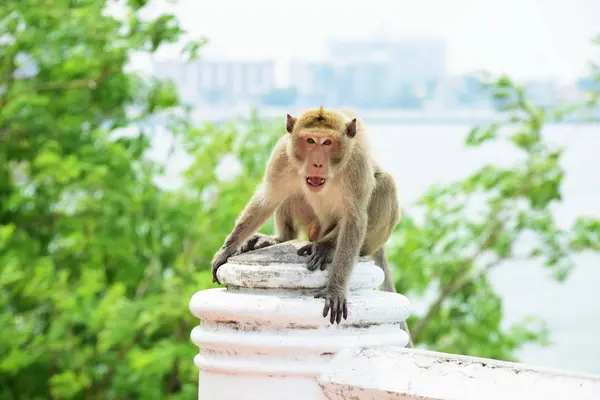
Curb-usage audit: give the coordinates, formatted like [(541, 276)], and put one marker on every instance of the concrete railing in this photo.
[(264, 337), (386, 372)]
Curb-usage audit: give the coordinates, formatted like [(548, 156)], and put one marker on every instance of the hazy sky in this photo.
[(526, 38)]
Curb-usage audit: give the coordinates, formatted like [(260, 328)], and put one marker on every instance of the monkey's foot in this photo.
[(258, 241), (334, 302), (219, 259), (320, 254)]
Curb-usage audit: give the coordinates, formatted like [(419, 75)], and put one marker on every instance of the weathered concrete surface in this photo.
[(386, 372), (268, 310), (280, 267), (264, 336), (283, 253)]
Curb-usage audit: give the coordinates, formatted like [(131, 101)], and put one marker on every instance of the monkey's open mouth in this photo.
[(315, 181)]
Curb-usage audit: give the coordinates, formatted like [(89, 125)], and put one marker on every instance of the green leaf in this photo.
[(479, 135), (190, 51), (524, 140)]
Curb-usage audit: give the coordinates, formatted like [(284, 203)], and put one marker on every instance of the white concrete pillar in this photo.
[(264, 335)]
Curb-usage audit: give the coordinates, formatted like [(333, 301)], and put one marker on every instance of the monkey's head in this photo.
[(321, 145)]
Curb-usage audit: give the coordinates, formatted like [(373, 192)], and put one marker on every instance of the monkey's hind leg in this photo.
[(284, 226), (380, 260)]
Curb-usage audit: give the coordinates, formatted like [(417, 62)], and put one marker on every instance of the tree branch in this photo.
[(88, 83), (45, 87), (153, 266), (455, 284)]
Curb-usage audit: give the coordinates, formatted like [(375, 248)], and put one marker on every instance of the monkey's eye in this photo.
[(327, 142), (310, 140)]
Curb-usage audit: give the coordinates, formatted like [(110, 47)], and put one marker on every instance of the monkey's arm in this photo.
[(258, 210), (352, 230)]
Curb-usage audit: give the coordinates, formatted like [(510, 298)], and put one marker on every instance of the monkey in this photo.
[(322, 179)]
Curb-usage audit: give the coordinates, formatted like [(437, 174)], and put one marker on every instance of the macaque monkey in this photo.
[(322, 179)]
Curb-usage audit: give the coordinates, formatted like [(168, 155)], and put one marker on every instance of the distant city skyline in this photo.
[(403, 75), (528, 39)]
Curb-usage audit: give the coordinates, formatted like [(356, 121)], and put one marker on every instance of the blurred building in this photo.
[(542, 94), (372, 73), (315, 82), (184, 76), (571, 94), (406, 61), (220, 82), (452, 92), (232, 82), (446, 93)]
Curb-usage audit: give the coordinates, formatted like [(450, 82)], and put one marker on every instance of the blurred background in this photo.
[(132, 133)]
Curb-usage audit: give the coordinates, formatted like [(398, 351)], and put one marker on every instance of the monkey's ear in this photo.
[(351, 128), (289, 125)]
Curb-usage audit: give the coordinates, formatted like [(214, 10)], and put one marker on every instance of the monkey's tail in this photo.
[(380, 259)]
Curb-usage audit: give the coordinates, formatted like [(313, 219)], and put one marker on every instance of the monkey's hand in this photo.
[(320, 254), (335, 300), (219, 259), (258, 241)]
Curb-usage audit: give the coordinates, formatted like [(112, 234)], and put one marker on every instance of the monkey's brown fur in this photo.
[(353, 215)]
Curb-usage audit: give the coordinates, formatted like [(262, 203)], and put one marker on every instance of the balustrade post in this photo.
[(263, 336)]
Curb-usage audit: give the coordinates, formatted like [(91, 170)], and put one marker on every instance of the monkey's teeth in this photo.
[(315, 181)]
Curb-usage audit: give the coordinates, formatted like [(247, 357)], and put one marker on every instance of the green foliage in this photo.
[(459, 232), (95, 267), (98, 263)]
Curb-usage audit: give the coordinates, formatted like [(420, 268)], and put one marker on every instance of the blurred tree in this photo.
[(95, 271), (459, 232)]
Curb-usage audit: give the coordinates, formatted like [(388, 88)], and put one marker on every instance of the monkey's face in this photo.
[(317, 153), (320, 145)]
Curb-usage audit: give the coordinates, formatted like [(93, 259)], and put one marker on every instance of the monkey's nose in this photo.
[(318, 165)]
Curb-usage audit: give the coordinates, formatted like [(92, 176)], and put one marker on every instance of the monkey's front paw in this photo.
[(320, 255), (335, 301), (219, 259), (257, 241)]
